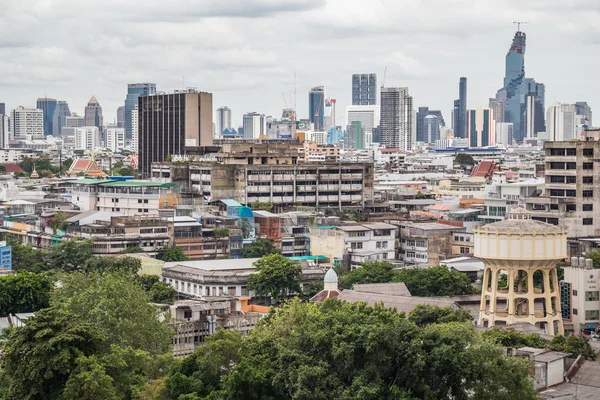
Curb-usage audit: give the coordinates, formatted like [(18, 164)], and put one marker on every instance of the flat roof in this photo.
[(138, 184), (215, 265)]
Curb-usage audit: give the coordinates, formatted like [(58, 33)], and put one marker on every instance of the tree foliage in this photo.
[(70, 255), (41, 164), (26, 258), (158, 291), (339, 350), (576, 345), (172, 254), (423, 315), (369, 272), (259, 248), (464, 159), (275, 276), (24, 292), (435, 281), (132, 250), (58, 221)]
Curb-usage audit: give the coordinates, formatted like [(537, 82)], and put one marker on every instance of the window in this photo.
[(557, 193), (588, 165), (465, 250), (557, 179), (554, 206), (139, 200), (139, 210), (574, 311), (592, 315), (588, 221), (588, 180), (571, 193), (145, 210), (146, 201), (588, 193), (587, 207), (588, 152), (571, 179), (356, 246), (592, 296), (187, 314), (574, 292), (572, 152), (571, 207)]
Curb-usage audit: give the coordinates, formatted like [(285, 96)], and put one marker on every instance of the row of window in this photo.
[(569, 152), (570, 193), (205, 290)]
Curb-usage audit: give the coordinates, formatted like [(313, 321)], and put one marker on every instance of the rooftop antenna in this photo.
[(519, 24)]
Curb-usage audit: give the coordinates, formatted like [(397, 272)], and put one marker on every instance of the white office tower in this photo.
[(223, 120), (396, 121), (561, 122), (4, 131), (368, 115), (255, 125), (504, 133), (27, 123), (115, 138), (134, 130), (87, 138)]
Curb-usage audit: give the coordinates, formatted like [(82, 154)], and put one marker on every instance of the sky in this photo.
[(246, 52)]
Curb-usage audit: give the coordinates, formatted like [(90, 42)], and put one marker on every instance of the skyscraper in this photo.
[(255, 125), (460, 110), (121, 117), (482, 127), (516, 89), (48, 106), (168, 123), (93, 114), (134, 130), (354, 137), (223, 120), (561, 122), (583, 110), (422, 113), (26, 122), (4, 131), (60, 116), (456, 119), (135, 90), (316, 105), (431, 128), (364, 89), (497, 106), (396, 118), (369, 117), (2, 109)]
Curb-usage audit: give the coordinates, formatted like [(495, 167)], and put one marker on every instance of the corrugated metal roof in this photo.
[(231, 203)]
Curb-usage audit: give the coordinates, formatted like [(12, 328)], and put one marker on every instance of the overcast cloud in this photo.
[(246, 51)]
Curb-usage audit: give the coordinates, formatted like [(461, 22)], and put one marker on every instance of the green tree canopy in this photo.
[(127, 265), (512, 338), (464, 159), (259, 248), (339, 350), (435, 281), (275, 276), (576, 345), (132, 250), (70, 255), (158, 291), (369, 272), (58, 221), (172, 254), (41, 164), (423, 315), (26, 258), (24, 292)]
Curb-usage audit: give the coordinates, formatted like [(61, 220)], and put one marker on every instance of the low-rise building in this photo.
[(426, 243), (580, 296)]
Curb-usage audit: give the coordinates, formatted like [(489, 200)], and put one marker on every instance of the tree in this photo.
[(66, 165), (259, 248), (576, 345), (129, 266), (340, 350), (423, 315), (158, 291), (172, 254), (26, 258), (464, 159), (39, 357), (132, 250), (275, 276), (435, 281), (41, 164), (128, 171), (59, 221), (24, 292), (70, 255), (512, 338), (369, 272), (595, 257)]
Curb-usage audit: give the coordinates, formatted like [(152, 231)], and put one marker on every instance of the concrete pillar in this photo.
[(492, 316), (510, 300), (530, 297)]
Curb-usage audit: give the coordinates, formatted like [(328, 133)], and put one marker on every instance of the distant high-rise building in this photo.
[(87, 138), (48, 106), (26, 122), (223, 120), (517, 88), (460, 110), (60, 115), (255, 125), (329, 116), (134, 130), (168, 123), (504, 133), (482, 127), (71, 122), (498, 107), (364, 89), (582, 109), (115, 138), (561, 122), (396, 120), (93, 114), (456, 119), (121, 117), (2, 109), (354, 137), (422, 134), (316, 105), (431, 129), (368, 115), (4, 131), (135, 90)]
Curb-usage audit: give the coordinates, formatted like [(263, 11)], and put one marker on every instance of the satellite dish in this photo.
[(536, 193)]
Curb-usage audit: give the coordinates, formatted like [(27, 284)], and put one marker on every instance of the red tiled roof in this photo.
[(12, 168), (324, 295), (88, 167), (484, 169)]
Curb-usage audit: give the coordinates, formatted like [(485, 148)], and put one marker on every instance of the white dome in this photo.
[(330, 276)]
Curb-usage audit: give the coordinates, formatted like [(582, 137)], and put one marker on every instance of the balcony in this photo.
[(329, 188), (348, 177), (306, 177), (258, 189), (259, 178), (351, 187), (283, 178)]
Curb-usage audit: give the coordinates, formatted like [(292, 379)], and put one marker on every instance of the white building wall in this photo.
[(134, 130), (26, 122), (561, 122), (4, 131), (87, 138), (115, 139)]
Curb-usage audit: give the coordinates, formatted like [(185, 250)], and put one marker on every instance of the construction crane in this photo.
[(284, 100), (519, 24), (384, 75)]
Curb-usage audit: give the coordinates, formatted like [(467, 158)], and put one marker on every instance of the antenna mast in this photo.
[(519, 24)]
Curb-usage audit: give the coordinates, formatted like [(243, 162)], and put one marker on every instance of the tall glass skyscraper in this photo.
[(48, 106), (316, 105), (517, 88), (60, 117), (364, 89), (135, 90)]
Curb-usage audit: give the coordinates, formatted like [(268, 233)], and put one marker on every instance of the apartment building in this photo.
[(428, 242), (149, 232), (362, 242), (580, 296), (572, 191), (127, 197), (248, 173), (295, 235)]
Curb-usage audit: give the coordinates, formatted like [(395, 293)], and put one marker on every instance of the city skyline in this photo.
[(249, 71)]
